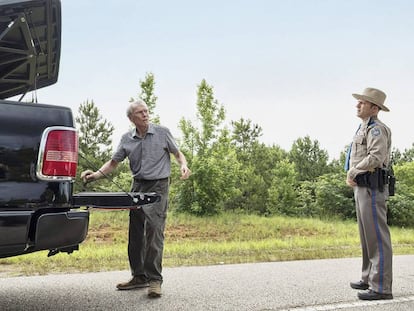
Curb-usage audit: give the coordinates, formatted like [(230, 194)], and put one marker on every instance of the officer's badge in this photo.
[(376, 132)]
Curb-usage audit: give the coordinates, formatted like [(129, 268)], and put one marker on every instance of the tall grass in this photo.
[(189, 240)]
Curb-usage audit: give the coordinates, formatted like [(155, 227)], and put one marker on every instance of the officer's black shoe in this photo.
[(359, 285), (371, 295)]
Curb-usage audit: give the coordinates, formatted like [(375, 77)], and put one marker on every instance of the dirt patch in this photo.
[(186, 232)]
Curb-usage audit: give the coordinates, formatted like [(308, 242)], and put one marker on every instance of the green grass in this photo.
[(190, 240)]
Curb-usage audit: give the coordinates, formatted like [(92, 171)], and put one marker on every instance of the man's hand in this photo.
[(87, 176), (185, 172)]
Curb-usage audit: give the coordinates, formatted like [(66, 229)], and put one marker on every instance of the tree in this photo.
[(310, 160), (396, 157), (400, 206), (245, 136), (257, 163), (408, 154), (252, 194), (338, 165), (404, 173), (333, 197), (282, 192), (148, 96), (94, 139), (211, 157)]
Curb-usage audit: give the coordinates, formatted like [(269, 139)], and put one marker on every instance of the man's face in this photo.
[(366, 109), (140, 116)]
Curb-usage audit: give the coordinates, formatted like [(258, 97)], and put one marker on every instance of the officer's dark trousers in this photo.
[(146, 231), (375, 238)]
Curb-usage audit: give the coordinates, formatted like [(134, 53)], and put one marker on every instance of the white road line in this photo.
[(339, 306)]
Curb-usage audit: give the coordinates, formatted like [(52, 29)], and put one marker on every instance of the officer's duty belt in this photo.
[(373, 180)]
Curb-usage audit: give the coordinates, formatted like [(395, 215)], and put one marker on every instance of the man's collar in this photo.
[(370, 121), (134, 132), (150, 128)]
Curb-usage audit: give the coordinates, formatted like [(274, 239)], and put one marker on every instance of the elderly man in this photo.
[(148, 147), (367, 161)]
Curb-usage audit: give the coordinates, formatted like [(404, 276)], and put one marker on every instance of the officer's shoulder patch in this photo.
[(376, 131)]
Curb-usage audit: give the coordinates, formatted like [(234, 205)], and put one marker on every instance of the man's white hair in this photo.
[(138, 102)]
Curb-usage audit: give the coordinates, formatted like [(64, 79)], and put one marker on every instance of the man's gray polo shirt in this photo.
[(149, 157)]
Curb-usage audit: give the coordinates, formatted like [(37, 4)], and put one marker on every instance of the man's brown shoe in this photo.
[(154, 290), (135, 282)]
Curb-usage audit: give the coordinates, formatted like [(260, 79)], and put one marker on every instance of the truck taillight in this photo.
[(58, 154)]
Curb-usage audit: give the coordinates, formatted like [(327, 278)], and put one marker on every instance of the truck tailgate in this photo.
[(114, 200)]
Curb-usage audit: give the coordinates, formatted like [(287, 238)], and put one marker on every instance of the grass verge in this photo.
[(223, 239)]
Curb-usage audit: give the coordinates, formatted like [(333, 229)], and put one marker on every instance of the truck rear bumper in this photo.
[(27, 233), (14, 231), (57, 230)]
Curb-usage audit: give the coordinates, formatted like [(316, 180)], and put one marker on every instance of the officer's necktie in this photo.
[(348, 158), (348, 154)]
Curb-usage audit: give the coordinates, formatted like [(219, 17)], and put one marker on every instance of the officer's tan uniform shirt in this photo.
[(371, 147)]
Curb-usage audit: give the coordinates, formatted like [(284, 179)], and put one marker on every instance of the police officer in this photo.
[(367, 156), (148, 147)]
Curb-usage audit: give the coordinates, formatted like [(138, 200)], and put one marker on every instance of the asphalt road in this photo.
[(309, 285)]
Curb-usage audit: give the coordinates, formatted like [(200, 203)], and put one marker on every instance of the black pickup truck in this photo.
[(38, 142)]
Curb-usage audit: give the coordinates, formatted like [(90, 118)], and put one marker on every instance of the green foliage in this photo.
[(326, 197), (94, 140), (282, 191), (396, 157), (257, 162), (211, 115), (252, 192), (245, 137), (310, 160), (306, 200), (404, 173), (337, 165), (333, 197), (264, 159), (212, 158), (408, 155), (148, 96), (401, 206), (256, 176), (213, 183)]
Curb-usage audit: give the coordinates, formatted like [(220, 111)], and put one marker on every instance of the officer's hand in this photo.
[(350, 182), (87, 176)]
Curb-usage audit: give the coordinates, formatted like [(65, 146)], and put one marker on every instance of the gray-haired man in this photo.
[(148, 147)]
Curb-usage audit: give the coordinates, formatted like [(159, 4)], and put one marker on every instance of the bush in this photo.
[(334, 197), (282, 194), (400, 208)]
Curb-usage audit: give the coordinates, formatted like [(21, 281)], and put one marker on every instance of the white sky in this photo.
[(289, 66)]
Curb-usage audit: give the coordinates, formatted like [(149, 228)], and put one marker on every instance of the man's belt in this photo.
[(141, 180)]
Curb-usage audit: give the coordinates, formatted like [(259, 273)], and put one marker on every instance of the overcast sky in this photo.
[(288, 66)]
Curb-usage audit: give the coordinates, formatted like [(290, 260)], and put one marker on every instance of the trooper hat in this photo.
[(375, 96)]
